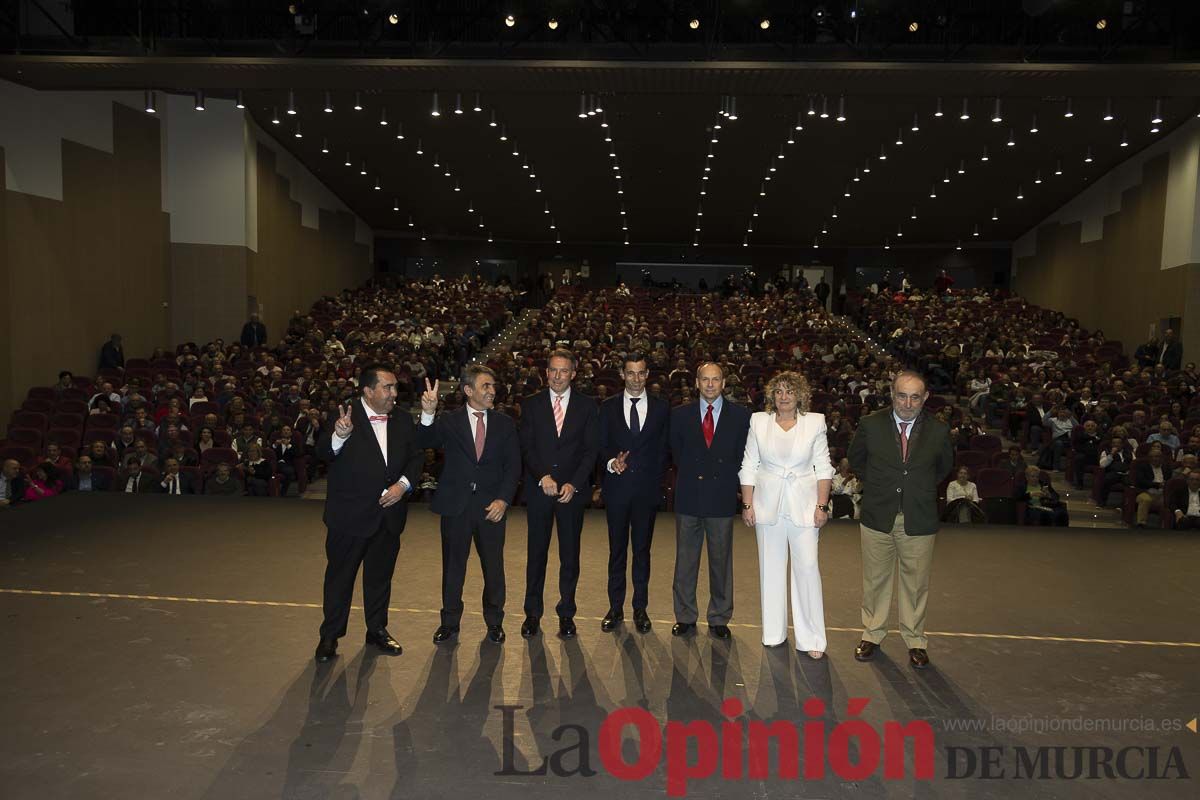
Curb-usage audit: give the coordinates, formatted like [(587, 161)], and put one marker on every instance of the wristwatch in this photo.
[(747, 506), (826, 507)]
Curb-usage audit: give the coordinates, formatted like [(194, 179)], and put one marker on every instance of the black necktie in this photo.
[(635, 424)]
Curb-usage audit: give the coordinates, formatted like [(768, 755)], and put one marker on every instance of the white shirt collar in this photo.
[(566, 396), (370, 413)]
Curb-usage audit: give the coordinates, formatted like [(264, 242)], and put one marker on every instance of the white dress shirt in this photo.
[(427, 420), (1193, 509), (379, 429)]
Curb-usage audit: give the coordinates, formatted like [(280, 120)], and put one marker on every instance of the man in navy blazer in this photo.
[(560, 440), (475, 489), (633, 452), (708, 440)]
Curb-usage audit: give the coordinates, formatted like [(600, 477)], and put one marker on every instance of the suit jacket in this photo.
[(647, 459), (569, 458), (285, 454), (1143, 474), (706, 483), (789, 483), (891, 484), (147, 484), (186, 485), (358, 474), (493, 477), (100, 482), (1173, 355), (1176, 497)]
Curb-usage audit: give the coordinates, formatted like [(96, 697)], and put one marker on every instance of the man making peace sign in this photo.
[(373, 462)]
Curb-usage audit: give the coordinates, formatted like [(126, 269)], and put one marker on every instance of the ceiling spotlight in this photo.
[(914, 213), (1158, 117), (489, 237), (965, 114), (856, 178), (582, 106), (995, 214), (764, 23), (834, 214), (325, 146), (291, 107), (422, 236), (399, 130), (547, 209), (434, 111), (958, 245), (780, 153), (996, 117), (733, 109), (363, 169), (1058, 167), (946, 178), (274, 116), (481, 221), (504, 133), (458, 103), (824, 107), (816, 244), (358, 106), (240, 100), (841, 115), (478, 106), (1011, 141), (882, 153), (984, 157), (199, 100), (962, 166), (298, 134), (604, 122), (824, 228), (799, 121), (812, 106), (150, 105), (846, 192), (1033, 126), (393, 18), (328, 102), (762, 190), (916, 126), (1068, 112), (537, 187), (420, 151), (933, 190), (347, 159), (693, 23), (937, 112), (436, 163), (552, 24), (914, 26), (887, 243), (377, 186), (899, 232), (745, 242), (1087, 157), (899, 137), (1101, 24), (867, 166), (383, 117), (1125, 138), (1108, 111), (510, 20), (976, 231), (1020, 194), (396, 204), (457, 188), (1037, 177)]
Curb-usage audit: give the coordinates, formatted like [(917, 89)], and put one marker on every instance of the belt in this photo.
[(787, 475)]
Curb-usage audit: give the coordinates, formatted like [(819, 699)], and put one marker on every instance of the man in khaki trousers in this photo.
[(900, 455)]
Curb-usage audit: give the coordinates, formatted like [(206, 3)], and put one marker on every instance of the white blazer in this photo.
[(785, 478)]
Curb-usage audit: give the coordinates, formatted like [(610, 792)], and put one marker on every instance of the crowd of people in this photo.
[(242, 417)]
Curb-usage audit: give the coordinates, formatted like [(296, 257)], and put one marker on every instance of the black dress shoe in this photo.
[(612, 619), (641, 620), (529, 628), (566, 627), (384, 641), (719, 631), (918, 657), (496, 634), (865, 650), (682, 628), (326, 650), (444, 633)]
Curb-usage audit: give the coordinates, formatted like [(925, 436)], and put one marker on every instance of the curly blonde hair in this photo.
[(789, 380)]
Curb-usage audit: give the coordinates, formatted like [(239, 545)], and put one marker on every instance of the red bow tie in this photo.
[(378, 418)]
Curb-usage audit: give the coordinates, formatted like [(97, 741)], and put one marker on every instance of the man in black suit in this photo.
[(373, 463), (477, 485), (1170, 352), (84, 479), (133, 480), (112, 355), (708, 440), (173, 481), (633, 450), (254, 333), (12, 483), (560, 439)]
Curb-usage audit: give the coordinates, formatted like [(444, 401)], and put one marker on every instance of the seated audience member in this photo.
[(1042, 504), (285, 454), (1165, 435), (12, 483), (166, 444), (431, 470), (101, 455), (1061, 425), (246, 437), (846, 492), (83, 479), (54, 455), (1115, 460), (223, 482), (133, 481), (142, 453), (1039, 415), (184, 455), (1085, 450), (205, 440), (65, 381), (43, 483), (962, 500), (124, 442), (173, 481), (1149, 478), (257, 470), (1015, 463), (1184, 505)]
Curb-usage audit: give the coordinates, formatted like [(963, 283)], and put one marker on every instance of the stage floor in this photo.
[(162, 647)]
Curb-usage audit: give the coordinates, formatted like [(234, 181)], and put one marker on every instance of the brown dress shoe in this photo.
[(865, 650), (918, 657)]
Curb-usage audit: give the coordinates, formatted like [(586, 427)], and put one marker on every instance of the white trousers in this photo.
[(803, 582)]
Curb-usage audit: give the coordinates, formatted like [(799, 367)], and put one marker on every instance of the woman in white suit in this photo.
[(786, 479)]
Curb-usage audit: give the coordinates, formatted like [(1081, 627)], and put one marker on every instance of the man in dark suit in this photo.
[(560, 439), (708, 440), (173, 480), (1170, 351), (1149, 477), (1184, 503), (112, 355), (477, 485), (254, 333), (633, 451), (373, 463), (133, 480), (84, 479), (901, 454), (12, 483)]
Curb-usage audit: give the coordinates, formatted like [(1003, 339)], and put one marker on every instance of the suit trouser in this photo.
[(377, 555), (543, 513), (1187, 524), (881, 552), (458, 532), (630, 520), (1148, 501), (691, 536), (802, 582)]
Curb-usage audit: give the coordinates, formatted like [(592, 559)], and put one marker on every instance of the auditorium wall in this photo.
[(163, 228), (1124, 254)]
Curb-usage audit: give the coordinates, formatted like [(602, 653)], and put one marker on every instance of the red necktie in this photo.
[(480, 434), (377, 418), (708, 427), (904, 440)]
